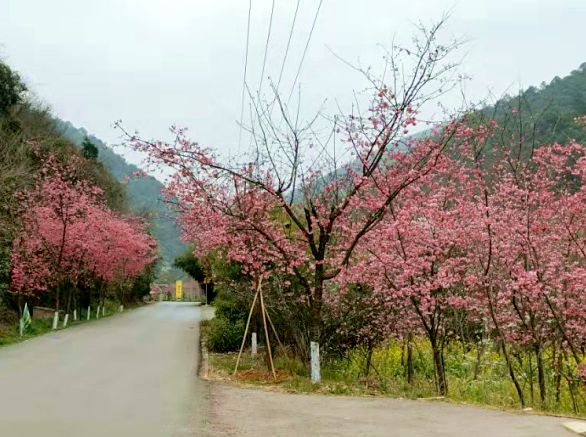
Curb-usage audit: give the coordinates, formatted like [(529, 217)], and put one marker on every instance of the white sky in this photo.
[(154, 63)]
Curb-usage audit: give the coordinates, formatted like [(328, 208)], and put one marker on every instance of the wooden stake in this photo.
[(268, 345), (246, 329), (277, 335)]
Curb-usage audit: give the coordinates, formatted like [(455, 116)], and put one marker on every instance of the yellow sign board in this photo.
[(178, 290)]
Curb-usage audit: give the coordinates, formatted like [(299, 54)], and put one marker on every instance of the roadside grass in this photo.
[(470, 381), (10, 334)]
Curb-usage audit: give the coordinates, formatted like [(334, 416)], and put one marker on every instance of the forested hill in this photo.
[(550, 112), (144, 193), (553, 112)]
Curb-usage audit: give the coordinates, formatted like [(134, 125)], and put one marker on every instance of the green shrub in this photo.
[(229, 308), (224, 335)]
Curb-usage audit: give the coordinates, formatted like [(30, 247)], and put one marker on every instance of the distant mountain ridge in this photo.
[(144, 193), (551, 108)]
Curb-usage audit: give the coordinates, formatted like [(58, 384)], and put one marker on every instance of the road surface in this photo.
[(242, 412), (130, 375), (135, 375)]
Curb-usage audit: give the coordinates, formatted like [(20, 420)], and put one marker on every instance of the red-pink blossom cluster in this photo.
[(70, 235), (496, 238)]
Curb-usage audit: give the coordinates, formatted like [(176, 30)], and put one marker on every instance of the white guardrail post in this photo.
[(315, 369), (254, 347)]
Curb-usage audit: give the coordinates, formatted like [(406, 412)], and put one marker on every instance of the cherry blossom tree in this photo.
[(293, 205), (69, 235), (540, 206), (48, 250), (522, 223), (416, 257), (488, 234)]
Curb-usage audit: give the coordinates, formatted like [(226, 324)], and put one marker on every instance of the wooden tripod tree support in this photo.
[(246, 329), (258, 295)]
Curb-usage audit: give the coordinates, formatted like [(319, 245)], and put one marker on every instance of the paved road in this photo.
[(130, 375), (241, 412), (135, 375)]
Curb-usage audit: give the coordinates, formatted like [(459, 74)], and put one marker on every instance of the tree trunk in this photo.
[(531, 390), (20, 306), (409, 359), (571, 388), (315, 309), (57, 298), (558, 377), (68, 310), (512, 373), (101, 296), (501, 341), (369, 351), (479, 353), (438, 362), (540, 373)]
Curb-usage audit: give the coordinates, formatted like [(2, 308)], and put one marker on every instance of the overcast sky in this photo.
[(154, 63)]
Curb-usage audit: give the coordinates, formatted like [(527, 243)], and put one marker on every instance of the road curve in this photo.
[(134, 374)]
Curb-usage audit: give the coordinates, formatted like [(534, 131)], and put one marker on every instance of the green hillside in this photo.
[(27, 134), (547, 113), (144, 193)]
